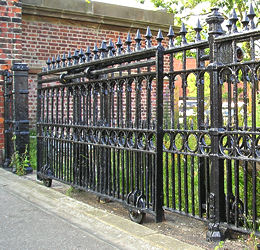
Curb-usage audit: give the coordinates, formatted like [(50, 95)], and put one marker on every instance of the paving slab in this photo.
[(37, 217)]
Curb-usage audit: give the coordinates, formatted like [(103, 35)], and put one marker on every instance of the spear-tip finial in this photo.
[(183, 33), (95, 51), (198, 29), (234, 20), (128, 43), (148, 37), (245, 21), (170, 35), (251, 14), (119, 45), (138, 40), (110, 47), (159, 37)]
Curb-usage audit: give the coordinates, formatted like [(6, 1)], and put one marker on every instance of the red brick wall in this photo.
[(10, 49), (43, 39)]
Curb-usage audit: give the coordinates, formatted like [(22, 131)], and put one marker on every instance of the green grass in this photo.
[(33, 150)]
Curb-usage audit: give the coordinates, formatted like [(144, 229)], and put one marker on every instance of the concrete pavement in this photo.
[(33, 216)]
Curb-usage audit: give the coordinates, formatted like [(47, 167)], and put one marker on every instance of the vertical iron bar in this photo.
[(192, 186), (254, 173), (217, 196), (236, 162), (172, 106), (179, 181), (159, 135), (201, 126), (40, 119)]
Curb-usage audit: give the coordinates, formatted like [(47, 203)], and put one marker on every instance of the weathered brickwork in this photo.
[(41, 40), (10, 49)]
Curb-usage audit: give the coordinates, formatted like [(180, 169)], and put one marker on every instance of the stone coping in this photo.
[(98, 12)]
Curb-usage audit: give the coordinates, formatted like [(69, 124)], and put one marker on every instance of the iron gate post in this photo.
[(40, 144), (8, 118), (20, 108), (159, 135), (216, 196)]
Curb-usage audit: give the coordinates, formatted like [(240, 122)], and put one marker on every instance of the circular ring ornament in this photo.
[(121, 139), (244, 145), (75, 135), (91, 136), (192, 142), (167, 141), (141, 140), (205, 143), (130, 139), (97, 137), (151, 142), (104, 137), (88, 135), (81, 135), (257, 146), (178, 141), (227, 145), (113, 138)]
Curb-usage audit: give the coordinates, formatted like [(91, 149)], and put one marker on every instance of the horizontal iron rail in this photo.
[(133, 149), (226, 225), (246, 63), (186, 153), (185, 71), (195, 45), (124, 67), (239, 229), (69, 77), (132, 129), (237, 132), (105, 62), (205, 131), (242, 158), (185, 214), (243, 36), (204, 70), (242, 132)]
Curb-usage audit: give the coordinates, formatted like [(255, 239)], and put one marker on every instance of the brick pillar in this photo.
[(10, 49)]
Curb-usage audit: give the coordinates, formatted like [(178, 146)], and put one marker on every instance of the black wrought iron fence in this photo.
[(109, 122), (95, 132)]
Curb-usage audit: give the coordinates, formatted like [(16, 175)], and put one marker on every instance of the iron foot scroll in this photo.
[(214, 233)]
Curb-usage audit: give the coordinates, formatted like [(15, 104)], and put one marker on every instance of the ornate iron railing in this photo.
[(108, 122)]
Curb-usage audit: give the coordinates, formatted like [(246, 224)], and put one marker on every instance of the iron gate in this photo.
[(117, 124)]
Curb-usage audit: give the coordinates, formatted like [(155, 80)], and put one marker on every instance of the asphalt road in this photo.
[(24, 225)]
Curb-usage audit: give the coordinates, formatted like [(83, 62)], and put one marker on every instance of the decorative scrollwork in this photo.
[(205, 143), (178, 141), (244, 145), (257, 146), (226, 145), (192, 142)]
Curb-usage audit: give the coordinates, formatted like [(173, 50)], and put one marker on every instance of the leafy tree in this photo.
[(178, 6)]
